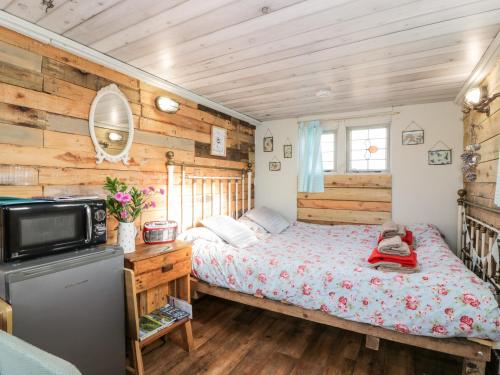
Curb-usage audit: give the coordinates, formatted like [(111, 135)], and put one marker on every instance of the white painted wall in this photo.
[(421, 192), (277, 190)]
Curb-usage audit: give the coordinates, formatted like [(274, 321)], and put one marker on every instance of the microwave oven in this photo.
[(33, 228)]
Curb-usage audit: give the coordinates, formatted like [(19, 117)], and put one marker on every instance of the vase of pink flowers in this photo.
[(125, 204)]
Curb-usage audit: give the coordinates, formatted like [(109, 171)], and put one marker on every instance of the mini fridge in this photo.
[(71, 305)]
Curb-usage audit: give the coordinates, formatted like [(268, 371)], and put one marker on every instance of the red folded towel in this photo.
[(408, 238), (407, 261)]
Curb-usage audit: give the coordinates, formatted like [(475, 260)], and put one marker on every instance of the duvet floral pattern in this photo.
[(324, 267)]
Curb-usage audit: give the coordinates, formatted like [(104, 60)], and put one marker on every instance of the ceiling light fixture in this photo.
[(324, 93), (165, 104), (477, 99)]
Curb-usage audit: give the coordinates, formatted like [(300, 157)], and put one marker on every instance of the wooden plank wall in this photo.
[(482, 191), (45, 96), (356, 199)]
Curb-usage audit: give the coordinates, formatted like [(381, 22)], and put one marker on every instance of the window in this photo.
[(368, 148), (328, 150)]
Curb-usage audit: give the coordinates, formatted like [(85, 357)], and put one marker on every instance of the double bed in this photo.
[(320, 273), (325, 268)]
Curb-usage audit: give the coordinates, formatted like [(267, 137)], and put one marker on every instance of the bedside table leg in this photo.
[(137, 357), (187, 337)]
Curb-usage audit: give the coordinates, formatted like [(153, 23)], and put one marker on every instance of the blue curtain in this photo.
[(310, 162)]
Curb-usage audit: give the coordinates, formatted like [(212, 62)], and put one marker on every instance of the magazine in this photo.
[(159, 319), (148, 327)]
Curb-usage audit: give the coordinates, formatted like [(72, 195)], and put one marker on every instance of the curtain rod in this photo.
[(391, 113)]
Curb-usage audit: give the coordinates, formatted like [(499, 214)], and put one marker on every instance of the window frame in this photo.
[(349, 130), (335, 149)]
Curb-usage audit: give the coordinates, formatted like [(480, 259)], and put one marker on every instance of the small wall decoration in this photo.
[(268, 141), (439, 156), (413, 134), (470, 157), (218, 141), (287, 149), (275, 165)]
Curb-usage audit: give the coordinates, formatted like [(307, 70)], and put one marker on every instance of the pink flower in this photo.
[(126, 198), (306, 289), (123, 214), (346, 284), (145, 191), (119, 196), (342, 301), (258, 292), (301, 269), (151, 188), (439, 329), (449, 311), (273, 262), (162, 191), (284, 275), (153, 204), (365, 301), (470, 300), (443, 291), (399, 278), (249, 272), (466, 320), (231, 279), (375, 281), (324, 308), (402, 328), (465, 327), (197, 260), (329, 277), (229, 259), (262, 277)]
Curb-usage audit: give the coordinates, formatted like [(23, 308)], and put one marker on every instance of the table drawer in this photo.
[(167, 272), (157, 262)]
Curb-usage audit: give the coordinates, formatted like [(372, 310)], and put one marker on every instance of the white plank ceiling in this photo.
[(270, 58)]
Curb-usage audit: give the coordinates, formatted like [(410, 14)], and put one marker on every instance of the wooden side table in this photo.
[(159, 271)]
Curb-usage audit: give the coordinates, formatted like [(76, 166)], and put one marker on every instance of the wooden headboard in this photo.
[(195, 192), (477, 241)]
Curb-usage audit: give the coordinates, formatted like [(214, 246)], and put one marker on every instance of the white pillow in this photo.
[(269, 219), (199, 233), (260, 232), (231, 231), (252, 225)]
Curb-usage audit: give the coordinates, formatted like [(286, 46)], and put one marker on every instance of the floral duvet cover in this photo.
[(324, 267)]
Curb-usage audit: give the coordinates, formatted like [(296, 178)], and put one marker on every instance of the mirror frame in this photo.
[(101, 154)]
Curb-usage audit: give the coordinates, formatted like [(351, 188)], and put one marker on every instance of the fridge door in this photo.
[(74, 309)]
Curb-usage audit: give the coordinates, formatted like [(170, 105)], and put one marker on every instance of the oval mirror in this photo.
[(111, 125)]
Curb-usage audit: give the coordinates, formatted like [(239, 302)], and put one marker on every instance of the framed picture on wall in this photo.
[(412, 137), (268, 144), (274, 166), (268, 141), (218, 141), (287, 151), (439, 157)]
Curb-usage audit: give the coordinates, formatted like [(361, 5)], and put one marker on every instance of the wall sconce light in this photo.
[(115, 137), (477, 99), (165, 104)]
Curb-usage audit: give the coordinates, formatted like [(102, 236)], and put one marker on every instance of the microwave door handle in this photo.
[(89, 223)]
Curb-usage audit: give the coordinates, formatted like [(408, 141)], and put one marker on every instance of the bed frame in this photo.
[(477, 247)]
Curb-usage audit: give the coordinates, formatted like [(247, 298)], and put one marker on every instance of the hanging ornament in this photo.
[(369, 149)]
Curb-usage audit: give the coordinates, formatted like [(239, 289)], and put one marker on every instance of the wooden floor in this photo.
[(231, 338)]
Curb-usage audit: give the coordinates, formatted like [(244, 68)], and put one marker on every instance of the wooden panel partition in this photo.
[(45, 147), (482, 191), (357, 199)]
